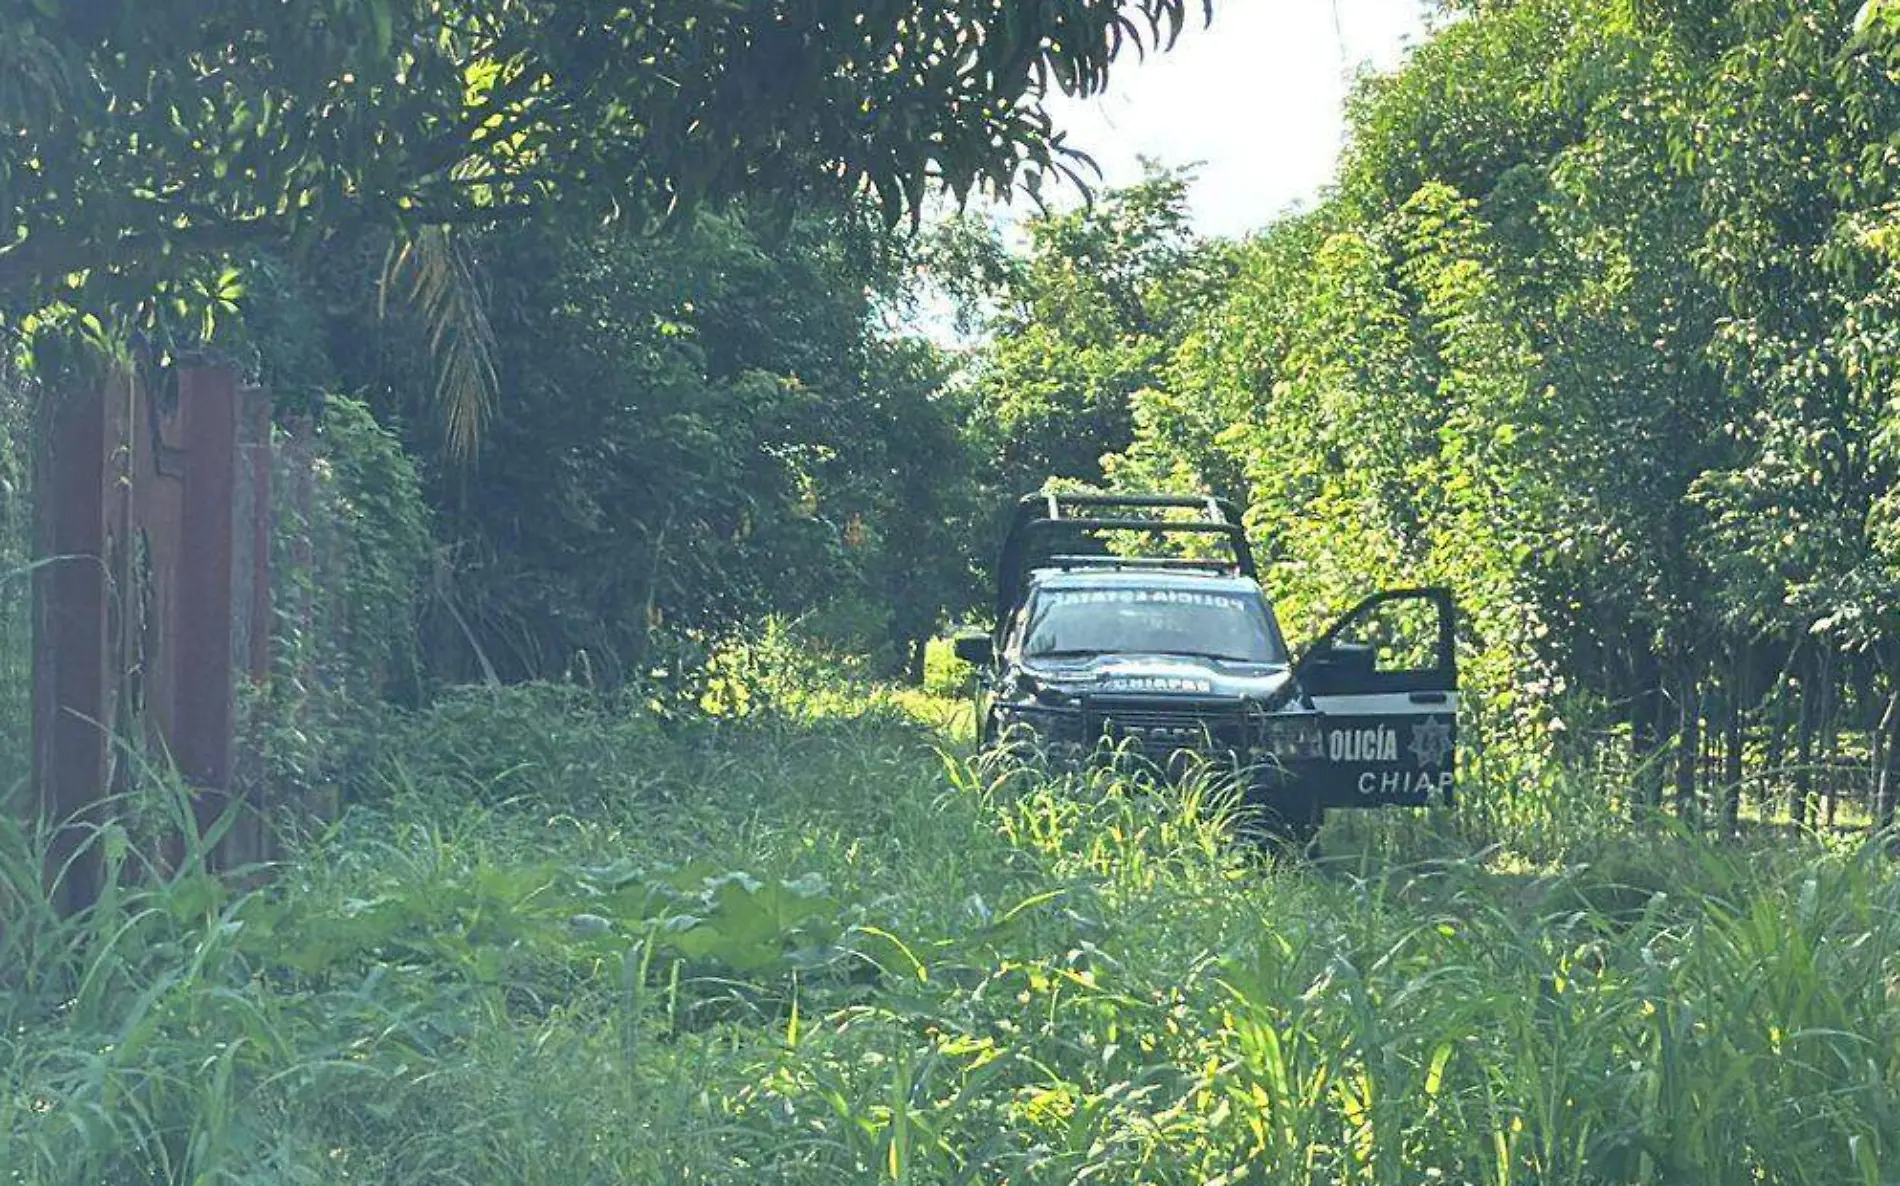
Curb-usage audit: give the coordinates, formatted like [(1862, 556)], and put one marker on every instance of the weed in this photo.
[(566, 944)]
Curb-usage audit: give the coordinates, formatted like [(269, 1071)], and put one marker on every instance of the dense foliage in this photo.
[(693, 431), (1078, 324), (143, 142), (1597, 328)]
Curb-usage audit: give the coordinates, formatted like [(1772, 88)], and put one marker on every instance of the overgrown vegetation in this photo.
[(701, 430), (607, 856), (566, 945), (1596, 328), (353, 561)]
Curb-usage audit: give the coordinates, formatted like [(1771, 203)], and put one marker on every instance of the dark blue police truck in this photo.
[(1136, 623)]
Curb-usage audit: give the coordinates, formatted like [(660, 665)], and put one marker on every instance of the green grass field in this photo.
[(565, 947)]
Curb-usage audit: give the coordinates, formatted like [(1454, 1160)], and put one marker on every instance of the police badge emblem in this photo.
[(1431, 741)]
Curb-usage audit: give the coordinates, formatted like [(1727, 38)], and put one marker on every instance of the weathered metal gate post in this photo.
[(74, 673), (154, 590), (204, 705)]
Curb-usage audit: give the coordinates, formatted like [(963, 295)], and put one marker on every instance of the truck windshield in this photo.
[(1214, 625)]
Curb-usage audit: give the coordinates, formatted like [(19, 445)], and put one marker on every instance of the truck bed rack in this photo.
[(1165, 563), (1045, 529)]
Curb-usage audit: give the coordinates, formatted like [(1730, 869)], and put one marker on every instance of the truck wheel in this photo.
[(1288, 828)]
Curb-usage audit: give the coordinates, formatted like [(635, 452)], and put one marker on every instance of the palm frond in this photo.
[(442, 285)]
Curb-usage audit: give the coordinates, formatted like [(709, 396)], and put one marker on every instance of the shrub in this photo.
[(350, 561)]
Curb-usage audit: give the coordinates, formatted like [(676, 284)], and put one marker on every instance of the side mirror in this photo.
[(976, 649)]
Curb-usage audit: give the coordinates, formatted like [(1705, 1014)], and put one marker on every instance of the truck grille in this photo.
[(1160, 731)]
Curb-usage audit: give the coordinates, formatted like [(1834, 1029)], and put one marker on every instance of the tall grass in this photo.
[(814, 950)]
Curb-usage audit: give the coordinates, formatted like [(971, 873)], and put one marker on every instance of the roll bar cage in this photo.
[(1041, 523)]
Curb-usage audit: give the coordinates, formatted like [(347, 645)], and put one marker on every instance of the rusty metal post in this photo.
[(154, 527), (70, 638), (204, 709), (158, 474), (124, 607)]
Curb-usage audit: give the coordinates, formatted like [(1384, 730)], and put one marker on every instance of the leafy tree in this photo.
[(1087, 317), (703, 428), (1596, 328), (924, 512), (1191, 430), (1786, 144), (142, 139)]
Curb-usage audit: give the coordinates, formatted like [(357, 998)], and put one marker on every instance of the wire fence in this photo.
[(16, 548), (1764, 779)]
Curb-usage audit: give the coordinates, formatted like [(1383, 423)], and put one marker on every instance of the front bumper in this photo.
[(1275, 750)]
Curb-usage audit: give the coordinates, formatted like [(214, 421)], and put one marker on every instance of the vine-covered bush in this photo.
[(352, 560), (369, 495), (16, 532)]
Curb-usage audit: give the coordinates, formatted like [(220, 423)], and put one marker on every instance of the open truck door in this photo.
[(1384, 680)]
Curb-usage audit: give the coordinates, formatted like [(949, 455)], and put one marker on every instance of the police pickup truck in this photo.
[(1111, 636)]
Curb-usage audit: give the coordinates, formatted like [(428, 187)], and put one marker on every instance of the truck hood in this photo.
[(1161, 676)]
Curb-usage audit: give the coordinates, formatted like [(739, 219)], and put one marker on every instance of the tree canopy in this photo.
[(139, 139)]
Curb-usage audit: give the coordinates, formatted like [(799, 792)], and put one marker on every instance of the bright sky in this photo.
[(1258, 98)]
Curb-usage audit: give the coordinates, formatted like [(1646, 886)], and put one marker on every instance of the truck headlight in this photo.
[(1035, 723), (1290, 739)]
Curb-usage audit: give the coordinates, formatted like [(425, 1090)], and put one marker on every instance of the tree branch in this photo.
[(51, 254), (44, 257)]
